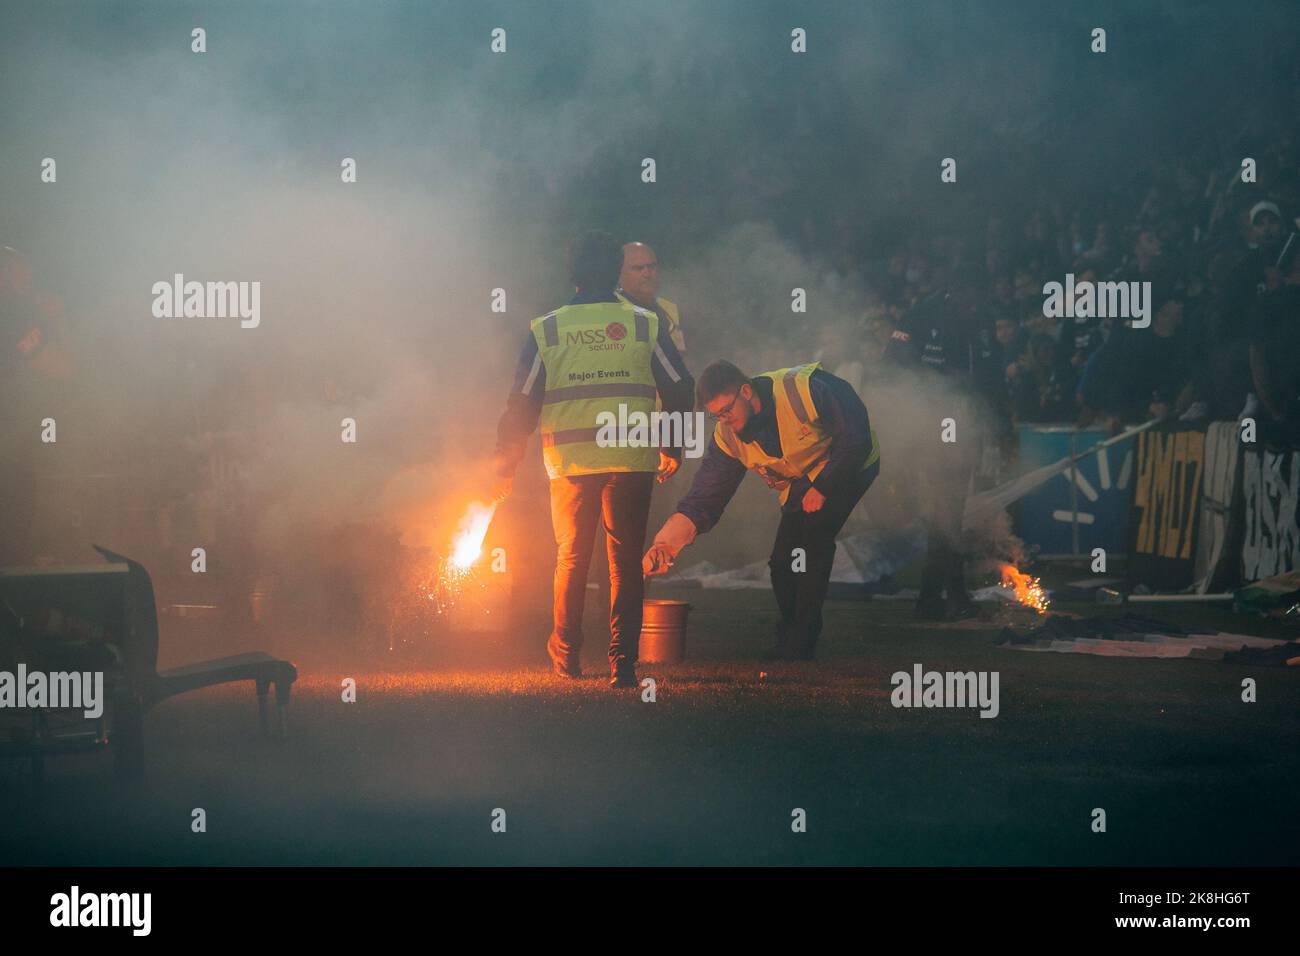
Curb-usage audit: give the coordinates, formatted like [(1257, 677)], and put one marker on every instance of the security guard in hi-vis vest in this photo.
[(806, 432), (596, 357)]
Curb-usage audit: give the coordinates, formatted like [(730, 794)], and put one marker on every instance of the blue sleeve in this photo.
[(713, 488), (672, 378), (841, 413), (523, 409)]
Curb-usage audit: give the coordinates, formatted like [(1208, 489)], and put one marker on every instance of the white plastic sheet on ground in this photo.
[(1203, 646), (859, 559)]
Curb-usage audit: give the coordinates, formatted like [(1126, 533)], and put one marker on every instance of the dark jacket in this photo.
[(839, 411)]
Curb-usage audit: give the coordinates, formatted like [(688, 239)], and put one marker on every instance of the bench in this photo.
[(104, 617)]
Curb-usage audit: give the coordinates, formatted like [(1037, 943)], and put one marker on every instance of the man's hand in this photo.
[(668, 466), (678, 531), (813, 500), (658, 560), (501, 490)]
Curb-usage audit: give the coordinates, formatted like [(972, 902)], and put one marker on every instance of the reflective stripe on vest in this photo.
[(805, 446), (597, 358), (674, 324), (665, 310)]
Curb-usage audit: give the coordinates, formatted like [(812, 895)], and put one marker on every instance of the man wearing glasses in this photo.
[(807, 433)]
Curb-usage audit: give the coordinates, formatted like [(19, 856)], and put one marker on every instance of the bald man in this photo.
[(638, 283)]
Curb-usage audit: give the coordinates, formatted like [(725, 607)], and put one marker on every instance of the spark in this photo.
[(1028, 590), (439, 591)]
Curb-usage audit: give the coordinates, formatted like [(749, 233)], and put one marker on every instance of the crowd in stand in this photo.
[(1223, 341), (1223, 308)]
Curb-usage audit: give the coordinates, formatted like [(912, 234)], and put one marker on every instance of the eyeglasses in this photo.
[(724, 412)]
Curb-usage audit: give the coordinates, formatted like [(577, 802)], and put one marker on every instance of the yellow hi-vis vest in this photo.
[(674, 319), (805, 446), (597, 358)]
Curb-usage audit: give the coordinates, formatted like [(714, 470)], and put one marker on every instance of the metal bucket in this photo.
[(663, 631)]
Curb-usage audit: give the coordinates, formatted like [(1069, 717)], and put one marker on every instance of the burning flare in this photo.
[(467, 545), (1028, 590)]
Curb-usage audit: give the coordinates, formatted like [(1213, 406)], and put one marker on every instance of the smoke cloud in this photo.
[(473, 168)]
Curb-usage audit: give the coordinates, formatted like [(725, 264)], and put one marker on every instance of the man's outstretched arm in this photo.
[(712, 489), (523, 410)]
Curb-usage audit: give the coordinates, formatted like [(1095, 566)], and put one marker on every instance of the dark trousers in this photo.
[(944, 566), (621, 502), (801, 594), (943, 498)]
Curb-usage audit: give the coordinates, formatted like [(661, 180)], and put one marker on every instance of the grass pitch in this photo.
[(711, 772)]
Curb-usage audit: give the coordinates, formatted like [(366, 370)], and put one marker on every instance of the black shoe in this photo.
[(563, 668), (623, 678), (563, 663)]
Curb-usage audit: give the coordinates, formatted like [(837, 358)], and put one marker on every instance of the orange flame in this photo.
[(467, 545), (1028, 590)]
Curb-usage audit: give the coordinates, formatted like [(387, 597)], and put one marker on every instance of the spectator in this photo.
[(1140, 374), (1081, 335), (1242, 288), (1274, 347), (1037, 392)]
